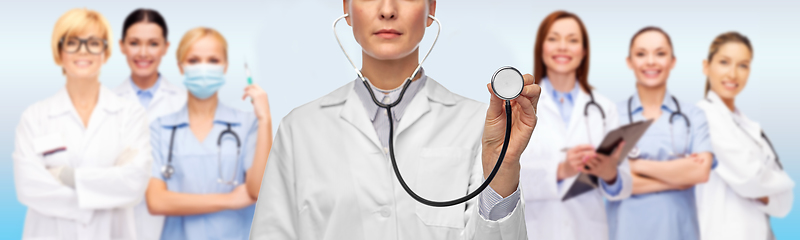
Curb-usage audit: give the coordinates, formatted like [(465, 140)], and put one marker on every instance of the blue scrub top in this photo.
[(669, 214), (197, 166)]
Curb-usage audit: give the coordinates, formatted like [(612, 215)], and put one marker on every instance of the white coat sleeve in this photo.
[(36, 187), (478, 227), (624, 169), (742, 167), (121, 185), (780, 204), (276, 210)]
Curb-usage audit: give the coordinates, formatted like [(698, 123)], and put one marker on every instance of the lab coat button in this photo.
[(386, 213)]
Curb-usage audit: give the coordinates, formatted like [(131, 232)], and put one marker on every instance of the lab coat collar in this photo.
[(106, 100), (397, 111), (354, 112), (222, 115), (666, 104), (752, 128), (432, 89), (127, 90)]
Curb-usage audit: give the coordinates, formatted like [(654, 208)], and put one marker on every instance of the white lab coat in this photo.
[(747, 170), (106, 187), (581, 217), (167, 99), (328, 177)]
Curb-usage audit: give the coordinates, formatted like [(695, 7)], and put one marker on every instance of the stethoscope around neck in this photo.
[(507, 84), (168, 170), (636, 153)]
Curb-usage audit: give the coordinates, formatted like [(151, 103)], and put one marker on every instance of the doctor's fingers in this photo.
[(253, 90), (582, 148), (528, 100), (617, 152), (495, 105)]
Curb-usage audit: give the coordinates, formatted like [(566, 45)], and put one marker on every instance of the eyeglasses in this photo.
[(93, 45)]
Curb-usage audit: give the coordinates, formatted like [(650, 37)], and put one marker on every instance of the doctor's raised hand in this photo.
[(523, 121)]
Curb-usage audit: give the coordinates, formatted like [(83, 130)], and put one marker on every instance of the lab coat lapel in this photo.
[(354, 113), (164, 90), (107, 104), (125, 90), (547, 106), (722, 111), (418, 106), (577, 113)]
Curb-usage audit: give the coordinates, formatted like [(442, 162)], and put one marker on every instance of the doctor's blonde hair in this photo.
[(78, 21), (194, 35)]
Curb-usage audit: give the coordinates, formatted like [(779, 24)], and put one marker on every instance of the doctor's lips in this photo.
[(142, 63), (730, 85), (562, 59), (388, 33), (651, 73), (82, 63)]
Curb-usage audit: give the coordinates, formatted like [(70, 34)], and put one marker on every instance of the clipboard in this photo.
[(630, 133)]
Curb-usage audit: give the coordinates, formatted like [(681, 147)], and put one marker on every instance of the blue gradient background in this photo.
[(295, 58)]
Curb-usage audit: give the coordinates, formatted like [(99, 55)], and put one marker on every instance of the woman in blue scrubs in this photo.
[(208, 158), (672, 156)]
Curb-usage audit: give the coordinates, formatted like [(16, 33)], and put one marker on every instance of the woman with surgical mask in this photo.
[(82, 157), (573, 119), (144, 43), (330, 173), (208, 158), (672, 156), (749, 186)]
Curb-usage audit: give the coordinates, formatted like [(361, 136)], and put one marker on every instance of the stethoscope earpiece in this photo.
[(507, 83)]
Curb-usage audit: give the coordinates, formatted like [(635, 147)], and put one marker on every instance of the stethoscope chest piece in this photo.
[(507, 83), (167, 171)]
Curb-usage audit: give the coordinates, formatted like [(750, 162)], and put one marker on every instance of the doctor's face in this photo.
[(144, 46), (206, 50), (651, 59), (729, 69), (563, 47), (389, 29), (83, 64)]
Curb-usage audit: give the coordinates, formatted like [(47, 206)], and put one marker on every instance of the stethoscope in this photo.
[(763, 135), (168, 170), (507, 84), (586, 115), (636, 153)]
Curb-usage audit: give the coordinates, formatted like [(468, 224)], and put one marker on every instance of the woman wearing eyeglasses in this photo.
[(82, 156)]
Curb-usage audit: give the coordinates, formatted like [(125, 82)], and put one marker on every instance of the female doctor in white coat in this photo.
[(81, 157), (572, 122), (144, 43), (749, 185), (329, 175)]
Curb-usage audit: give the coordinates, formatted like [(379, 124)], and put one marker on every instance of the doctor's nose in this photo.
[(388, 10), (732, 73), (142, 50)]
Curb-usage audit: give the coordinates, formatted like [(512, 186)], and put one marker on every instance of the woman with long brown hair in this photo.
[(573, 120)]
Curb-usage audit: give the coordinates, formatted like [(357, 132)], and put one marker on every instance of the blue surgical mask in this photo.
[(203, 80)]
